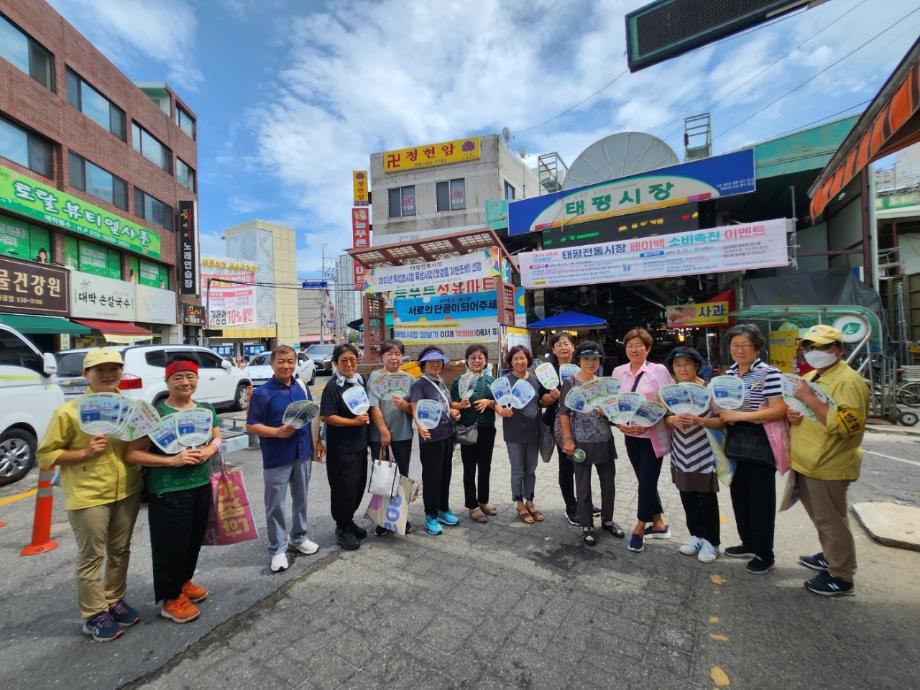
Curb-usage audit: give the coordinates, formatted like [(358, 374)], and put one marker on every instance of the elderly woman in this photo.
[(693, 462), (180, 499), (753, 487), (436, 445), (590, 432), (521, 429), (346, 447), (477, 409), (645, 447)]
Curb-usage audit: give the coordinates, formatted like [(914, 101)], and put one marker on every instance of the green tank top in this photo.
[(161, 480)]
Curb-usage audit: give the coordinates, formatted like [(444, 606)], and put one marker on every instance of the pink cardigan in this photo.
[(654, 377)]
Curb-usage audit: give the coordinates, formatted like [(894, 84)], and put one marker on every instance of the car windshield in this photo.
[(70, 363), (320, 350), (261, 360)]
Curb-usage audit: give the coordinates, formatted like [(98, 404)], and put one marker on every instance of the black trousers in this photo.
[(567, 479), (477, 459), (753, 491), (347, 475), (647, 468), (437, 459), (702, 510), (178, 520), (606, 472), (400, 451)]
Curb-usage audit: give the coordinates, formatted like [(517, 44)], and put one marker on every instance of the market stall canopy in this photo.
[(891, 122), (120, 332), (43, 325), (569, 319)]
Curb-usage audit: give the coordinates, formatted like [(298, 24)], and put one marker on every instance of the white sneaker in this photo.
[(279, 562), (708, 552), (692, 547), (306, 547)]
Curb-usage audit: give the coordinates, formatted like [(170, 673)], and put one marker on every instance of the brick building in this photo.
[(93, 171)]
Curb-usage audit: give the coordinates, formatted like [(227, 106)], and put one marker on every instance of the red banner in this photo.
[(360, 229)]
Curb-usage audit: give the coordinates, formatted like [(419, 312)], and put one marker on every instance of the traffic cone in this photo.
[(41, 525)]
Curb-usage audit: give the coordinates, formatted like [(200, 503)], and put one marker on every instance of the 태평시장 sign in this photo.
[(483, 263), (691, 182), (32, 288), (443, 153), (717, 250), (445, 307), (696, 315), (359, 185), (31, 198)]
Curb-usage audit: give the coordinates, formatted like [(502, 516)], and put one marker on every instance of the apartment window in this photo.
[(509, 191), (401, 202), (94, 105), (29, 56), (24, 147), (451, 195), (185, 174), (150, 147), (96, 181), (185, 121), (152, 209)]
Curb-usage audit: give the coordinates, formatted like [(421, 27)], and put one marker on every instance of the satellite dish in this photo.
[(619, 155), (522, 152), (506, 134)]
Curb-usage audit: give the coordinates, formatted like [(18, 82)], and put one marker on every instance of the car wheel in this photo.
[(17, 455), (241, 399)]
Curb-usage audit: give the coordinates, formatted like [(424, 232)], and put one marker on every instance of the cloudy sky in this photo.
[(291, 96)]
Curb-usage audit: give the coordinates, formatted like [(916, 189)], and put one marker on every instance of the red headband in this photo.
[(181, 365)]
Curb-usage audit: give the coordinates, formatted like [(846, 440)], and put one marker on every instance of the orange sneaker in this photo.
[(180, 609), (194, 592)]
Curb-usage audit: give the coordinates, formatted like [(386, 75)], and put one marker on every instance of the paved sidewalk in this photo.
[(513, 605)]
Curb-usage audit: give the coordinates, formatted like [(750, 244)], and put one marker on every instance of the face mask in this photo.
[(819, 359)]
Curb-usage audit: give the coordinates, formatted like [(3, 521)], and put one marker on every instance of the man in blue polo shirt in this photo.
[(286, 456)]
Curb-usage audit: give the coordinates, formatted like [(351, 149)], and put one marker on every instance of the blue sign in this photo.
[(445, 307), (314, 284), (701, 180)]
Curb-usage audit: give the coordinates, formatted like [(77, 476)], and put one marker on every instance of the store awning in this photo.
[(43, 325), (117, 329), (569, 319)]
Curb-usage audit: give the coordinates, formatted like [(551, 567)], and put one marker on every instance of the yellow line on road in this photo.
[(6, 500)]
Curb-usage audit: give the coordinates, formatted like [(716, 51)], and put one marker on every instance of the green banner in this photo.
[(28, 197), (14, 238), (154, 275)]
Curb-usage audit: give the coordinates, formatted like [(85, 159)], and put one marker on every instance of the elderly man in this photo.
[(826, 456)]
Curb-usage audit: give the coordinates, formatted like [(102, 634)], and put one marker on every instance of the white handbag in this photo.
[(384, 479)]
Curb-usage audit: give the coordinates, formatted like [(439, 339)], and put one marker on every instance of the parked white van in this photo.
[(29, 394)]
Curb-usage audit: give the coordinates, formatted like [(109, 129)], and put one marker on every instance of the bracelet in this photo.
[(217, 443)]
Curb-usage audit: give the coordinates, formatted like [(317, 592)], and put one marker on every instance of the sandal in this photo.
[(588, 536), (488, 509), (525, 515), (536, 514), (614, 529), (477, 515)]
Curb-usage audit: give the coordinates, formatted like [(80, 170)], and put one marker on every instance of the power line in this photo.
[(825, 118), (573, 107)]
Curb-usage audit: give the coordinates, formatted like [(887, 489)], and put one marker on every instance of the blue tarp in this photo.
[(569, 319)]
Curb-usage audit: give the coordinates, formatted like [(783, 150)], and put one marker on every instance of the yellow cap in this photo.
[(101, 355), (822, 334)]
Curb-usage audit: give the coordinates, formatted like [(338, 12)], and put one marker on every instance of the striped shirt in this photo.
[(693, 463), (760, 382)]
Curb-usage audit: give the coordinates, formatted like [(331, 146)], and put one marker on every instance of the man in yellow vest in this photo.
[(826, 456)]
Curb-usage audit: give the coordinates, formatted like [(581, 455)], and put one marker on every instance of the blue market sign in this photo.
[(701, 180), (445, 307)]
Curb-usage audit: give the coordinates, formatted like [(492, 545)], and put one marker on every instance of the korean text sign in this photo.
[(483, 263), (443, 153), (693, 315), (230, 305), (481, 330), (359, 184), (95, 297), (31, 198), (691, 182), (718, 250), (188, 255), (360, 229), (446, 307), (30, 288)]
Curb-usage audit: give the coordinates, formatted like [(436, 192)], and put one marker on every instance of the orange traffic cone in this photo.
[(41, 525)]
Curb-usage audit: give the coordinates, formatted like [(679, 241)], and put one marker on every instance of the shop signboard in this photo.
[(718, 250), (28, 197), (188, 252), (32, 288), (520, 308), (229, 304), (497, 214), (692, 182), (483, 263), (477, 305), (358, 276), (513, 335), (783, 349), (697, 315), (154, 305), (95, 297), (443, 153), (23, 241), (192, 314), (360, 229), (359, 184), (657, 222), (481, 330), (457, 288)]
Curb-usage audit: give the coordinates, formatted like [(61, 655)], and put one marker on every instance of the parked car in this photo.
[(28, 395), (219, 382), (259, 369), (322, 357)]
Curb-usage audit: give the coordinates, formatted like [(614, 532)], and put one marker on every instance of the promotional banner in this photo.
[(359, 185), (188, 251), (229, 305), (520, 307), (483, 263), (700, 180), (481, 330), (153, 305), (29, 288), (406, 311), (782, 349), (658, 222), (95, 297), (23, 241), (31, 198), (360, 229), (458, 288), (719, 250), (444, 153), (697, 315)]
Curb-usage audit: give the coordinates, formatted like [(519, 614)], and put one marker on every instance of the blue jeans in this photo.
[(276, 482)]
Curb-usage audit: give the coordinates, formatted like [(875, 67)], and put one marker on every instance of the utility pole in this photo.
[(322, 311)]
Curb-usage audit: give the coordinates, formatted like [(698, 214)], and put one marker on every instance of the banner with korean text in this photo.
[(359, 186), (95, 297), (697, 315), (718, 250), (483, 263), (443, 153), (480, 330), (228, 304), (33, 288), (446, 307)]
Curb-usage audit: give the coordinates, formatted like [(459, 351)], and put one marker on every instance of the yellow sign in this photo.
[(359, 183), (782, 349), (697, 315), (445, 153)]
